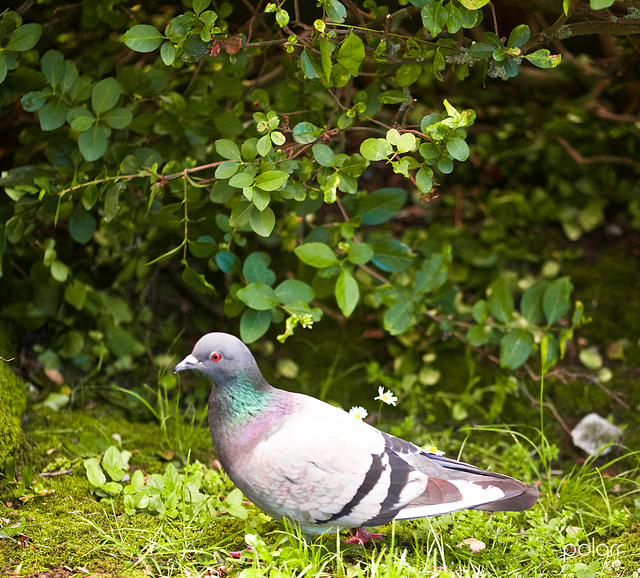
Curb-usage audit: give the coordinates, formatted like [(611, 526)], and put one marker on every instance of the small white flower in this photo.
[(434, 450), (386, 396), (358, 412)]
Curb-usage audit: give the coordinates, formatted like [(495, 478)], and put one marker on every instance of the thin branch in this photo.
[(548, 405), (581, 160), (495, 19)]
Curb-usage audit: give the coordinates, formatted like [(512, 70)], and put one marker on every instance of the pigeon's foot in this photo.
[(362, 536)]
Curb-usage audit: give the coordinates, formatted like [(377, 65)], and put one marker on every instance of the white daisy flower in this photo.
[(386, 396), (358, 412), (434, 450)]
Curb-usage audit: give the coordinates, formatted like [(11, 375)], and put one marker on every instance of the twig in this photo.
[(58, 473), (409, 108), (549, 406), (495, 19), (581, 160)]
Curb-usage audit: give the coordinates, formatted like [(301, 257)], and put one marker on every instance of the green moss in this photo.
[(12, 401), (628, 546), (71, 528)]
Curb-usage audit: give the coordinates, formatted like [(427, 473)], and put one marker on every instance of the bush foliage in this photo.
[(287, 163)]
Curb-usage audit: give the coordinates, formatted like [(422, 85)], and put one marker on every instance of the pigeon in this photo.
[(300, 458)]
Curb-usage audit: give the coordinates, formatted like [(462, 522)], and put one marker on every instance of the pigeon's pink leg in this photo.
[(362, 536)]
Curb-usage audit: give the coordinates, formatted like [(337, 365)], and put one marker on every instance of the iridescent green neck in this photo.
[(242, 412), (241, 398)]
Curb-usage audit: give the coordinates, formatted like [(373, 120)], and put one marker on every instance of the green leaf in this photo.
[(590, 358), (531, 302), (360, 253), (168, 53), (264, 145), (227, 149), (271, 180), (479, 335), (376, 149), (240, 214), (458, 149), (381, 205), (347, 293), (111, 205), (82, 123), (335, 11), (118, 118), (197, 281), (391, 255), (24, 38), (519, 36), (200, 5), (282, 18), (556, 301), (52, 115), (294, 290), (241, 180), (424, 179), (306, 132), (500, 302), (407, 74), (59, 271), (434, 272), (317, 255), (33, 100), (113, 463), (82, 226), (397, 319), (392, 97), (351, 53), (511, 67), (262, 222), (105, 95), (480, 50), (474, 4), (260, 198), (228, 262), (407, 143), (258, 296), (75, 293), (94, 472), (515, 348), (255, 269), (203, 248), (143, 38), (93, 143), (544, 59), (226, 170), (310, 64), (254, 324), (325, 58), (600, 4), (323, 155)]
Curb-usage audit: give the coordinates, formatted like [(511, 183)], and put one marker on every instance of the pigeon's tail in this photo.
[(524, 501), (454, 485)]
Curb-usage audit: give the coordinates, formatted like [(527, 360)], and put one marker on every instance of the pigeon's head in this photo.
[(220, 356)]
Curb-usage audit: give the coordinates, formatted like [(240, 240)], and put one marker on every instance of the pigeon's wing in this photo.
[(324, 468), (454, 485)]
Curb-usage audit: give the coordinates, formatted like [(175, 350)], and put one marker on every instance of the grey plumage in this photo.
[(297, 457)]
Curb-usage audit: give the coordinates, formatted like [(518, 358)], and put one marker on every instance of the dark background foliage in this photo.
[(261, 169)]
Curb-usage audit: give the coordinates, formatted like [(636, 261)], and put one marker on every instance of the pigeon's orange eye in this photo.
[(215, 356)]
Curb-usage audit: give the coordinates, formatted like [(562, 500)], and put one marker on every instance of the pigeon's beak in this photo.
[(189, 362)]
